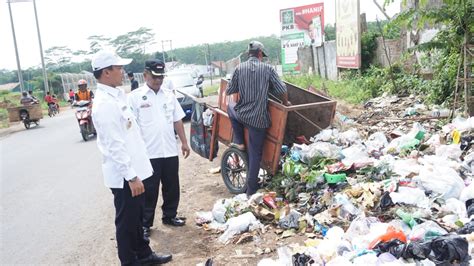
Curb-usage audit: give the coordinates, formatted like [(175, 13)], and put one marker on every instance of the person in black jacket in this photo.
[(133, 82)]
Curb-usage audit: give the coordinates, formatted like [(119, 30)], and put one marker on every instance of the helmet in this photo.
[(81, 82)]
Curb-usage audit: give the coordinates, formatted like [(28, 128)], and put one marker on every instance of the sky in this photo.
[(185, 22)]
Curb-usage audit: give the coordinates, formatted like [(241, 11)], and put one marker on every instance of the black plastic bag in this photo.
[(449, 248), (200, 134), (467, 228), (301, 259)]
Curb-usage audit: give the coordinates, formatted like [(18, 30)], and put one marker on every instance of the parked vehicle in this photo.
[(84, 118), (183, 82)]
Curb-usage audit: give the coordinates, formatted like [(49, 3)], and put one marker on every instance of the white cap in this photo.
[(105, 59)]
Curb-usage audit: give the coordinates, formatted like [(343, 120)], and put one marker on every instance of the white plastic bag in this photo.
[(376, 142), (237, 225), (411, 196), (441, 179)]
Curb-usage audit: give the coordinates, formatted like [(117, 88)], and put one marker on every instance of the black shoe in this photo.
[(173, 221), (154, 259), (146, 231)]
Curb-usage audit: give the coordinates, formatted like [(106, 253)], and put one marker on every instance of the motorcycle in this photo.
[(84, 118), (52, 109), (31, 114)]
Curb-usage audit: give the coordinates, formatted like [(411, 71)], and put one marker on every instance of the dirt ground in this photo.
[(191, 244)]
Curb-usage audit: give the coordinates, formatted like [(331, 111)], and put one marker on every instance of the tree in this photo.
[(455, 21), (97, 43), (133, 42), (57, 56)]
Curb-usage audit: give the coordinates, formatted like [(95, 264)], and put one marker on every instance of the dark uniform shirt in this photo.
[(134, 84), (253, 80)]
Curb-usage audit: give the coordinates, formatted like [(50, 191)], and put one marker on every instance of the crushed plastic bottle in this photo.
[(407, 218)]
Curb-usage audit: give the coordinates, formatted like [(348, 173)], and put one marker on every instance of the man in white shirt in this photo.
[(125, 164), (159, 115)]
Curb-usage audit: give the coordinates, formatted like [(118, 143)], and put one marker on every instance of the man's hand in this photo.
[(136, 187), (185, 150)]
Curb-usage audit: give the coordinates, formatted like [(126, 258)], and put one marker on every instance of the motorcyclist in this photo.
[(27, 99), (200, 85), (83, 94), (51, 100)]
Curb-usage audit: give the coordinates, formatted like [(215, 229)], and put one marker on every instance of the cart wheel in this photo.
[(234, 170)]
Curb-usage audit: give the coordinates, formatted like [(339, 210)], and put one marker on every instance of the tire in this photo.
[(234, 170), (84, 132)]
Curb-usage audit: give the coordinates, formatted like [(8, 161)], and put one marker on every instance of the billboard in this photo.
[(300, 26), (347, 34)]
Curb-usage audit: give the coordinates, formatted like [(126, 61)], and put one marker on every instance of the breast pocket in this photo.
[(168, 109), (145, 112)]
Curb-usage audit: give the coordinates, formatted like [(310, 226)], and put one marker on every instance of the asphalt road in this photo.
[(52, 193)]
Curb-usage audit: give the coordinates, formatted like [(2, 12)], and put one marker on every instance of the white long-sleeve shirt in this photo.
[(118, 138), (156, 114)]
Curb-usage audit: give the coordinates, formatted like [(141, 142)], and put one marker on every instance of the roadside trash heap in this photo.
[(385, 199)]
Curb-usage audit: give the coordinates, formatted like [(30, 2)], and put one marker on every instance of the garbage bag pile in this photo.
[(378, 200)]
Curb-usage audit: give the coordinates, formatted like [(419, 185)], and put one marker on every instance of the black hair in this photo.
[(254, 52), (98, 73), (30, 92), (24, 93), (130, 74)]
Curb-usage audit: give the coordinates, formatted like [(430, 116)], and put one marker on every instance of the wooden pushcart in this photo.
[(308, 114), (28, 114)]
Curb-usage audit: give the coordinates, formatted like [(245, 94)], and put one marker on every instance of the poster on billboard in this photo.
[(347, 34), (300, 26)]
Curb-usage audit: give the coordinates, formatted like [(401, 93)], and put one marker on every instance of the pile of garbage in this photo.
[(395, 115), (382, 199)]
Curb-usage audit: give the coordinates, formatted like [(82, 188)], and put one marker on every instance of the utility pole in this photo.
[(45, 75), (163, 51), (20, 76), (210, 61)]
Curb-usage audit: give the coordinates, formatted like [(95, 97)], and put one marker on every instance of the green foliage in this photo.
[(329, 32), (224, 51), (368, 48), (442, 54), (348, 89)]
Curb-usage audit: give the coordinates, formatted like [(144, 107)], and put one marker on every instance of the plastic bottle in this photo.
[(406, 217), (341, 199)]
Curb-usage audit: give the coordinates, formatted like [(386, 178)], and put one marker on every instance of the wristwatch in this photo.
[(133, 179)]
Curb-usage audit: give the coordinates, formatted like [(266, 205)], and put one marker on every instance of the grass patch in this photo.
[(349, 90), (211, 90)]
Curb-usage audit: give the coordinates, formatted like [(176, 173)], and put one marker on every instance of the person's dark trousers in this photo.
[(254, 148), (128, 223), (165, 170)]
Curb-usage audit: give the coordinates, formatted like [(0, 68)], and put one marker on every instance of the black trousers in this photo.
[(254, 147), (165, 171), (128, 224)]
